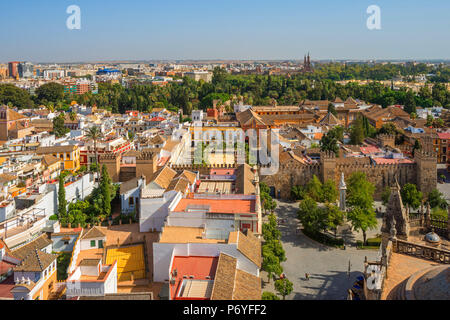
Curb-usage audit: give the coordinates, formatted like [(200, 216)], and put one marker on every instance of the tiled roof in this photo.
[(163, 177), (94, 232), (330, 119), (246, 286), (233, 284), (244, 179), (191, 176), (224, 280), (444, 135), (90, 262), (36, 261), (13, 115), (56, 149), (170, 144), (39, 243), (129, 185), (178, 184), (49, 160), (250, 246)]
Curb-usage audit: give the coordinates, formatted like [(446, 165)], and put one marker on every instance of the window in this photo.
[(92, 243), (131, 201)]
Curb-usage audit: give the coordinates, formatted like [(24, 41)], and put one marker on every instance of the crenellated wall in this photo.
[(422, 172)]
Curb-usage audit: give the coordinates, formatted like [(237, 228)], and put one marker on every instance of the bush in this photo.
[(324, 238), (374, 242), (269, 296), (53, 217)]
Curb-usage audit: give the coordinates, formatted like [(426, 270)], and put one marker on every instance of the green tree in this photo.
[(269, 296), (359, 191), (284, 287), (274, 246), (106, 190), (50, 92), (311, 216), (270, 230), (298, 192), (94, 133), (329, 191), (410, 102), (436, 199), (357, 131), (58, 126), (14, 96), (363, 219), (314, 188), (271, 264), (411, 196), (386, 195), (335, 217), (360, 201), (62, 203)]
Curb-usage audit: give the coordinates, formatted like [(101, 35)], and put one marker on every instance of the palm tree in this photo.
[(95, 134)]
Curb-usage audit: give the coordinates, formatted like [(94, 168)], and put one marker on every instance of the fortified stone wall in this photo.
[(421, 173)]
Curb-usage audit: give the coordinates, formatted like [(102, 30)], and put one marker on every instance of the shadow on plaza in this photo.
[(330, 287)]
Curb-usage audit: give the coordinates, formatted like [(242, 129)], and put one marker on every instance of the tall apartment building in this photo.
[(26, 70), (13, 68)]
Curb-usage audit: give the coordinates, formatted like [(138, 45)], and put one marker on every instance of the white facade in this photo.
[(93, 243), (85, 288), (154, 211), (163, 254)]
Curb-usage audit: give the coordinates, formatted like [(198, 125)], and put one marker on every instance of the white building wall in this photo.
[(163, 255), (153, 211), (86, 243)]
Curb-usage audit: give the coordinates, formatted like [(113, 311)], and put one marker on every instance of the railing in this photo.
[(423, 252), (439, 226)]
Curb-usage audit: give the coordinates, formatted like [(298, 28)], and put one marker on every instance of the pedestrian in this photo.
[(307, 277), (349, 268)]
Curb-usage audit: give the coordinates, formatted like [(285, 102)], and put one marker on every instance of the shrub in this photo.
[(269, 296)]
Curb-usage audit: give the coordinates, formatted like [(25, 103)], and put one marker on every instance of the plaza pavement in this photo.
[(327, 267)]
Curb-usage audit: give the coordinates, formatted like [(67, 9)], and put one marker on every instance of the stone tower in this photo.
[(328, 166), (342, 193), (395, 213), (146, 165), (426, 161), (386, 140), (112, 163)]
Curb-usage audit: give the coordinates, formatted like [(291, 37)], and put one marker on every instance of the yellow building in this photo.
[(69, 155)]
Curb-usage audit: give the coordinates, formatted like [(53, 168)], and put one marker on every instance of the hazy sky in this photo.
[(35, 30)]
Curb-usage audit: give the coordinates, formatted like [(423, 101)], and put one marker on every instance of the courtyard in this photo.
[(327, 267)]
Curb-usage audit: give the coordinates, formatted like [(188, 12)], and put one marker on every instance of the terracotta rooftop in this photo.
[(225, 275), (94, 232), (56, 149), (185, 235), (250, 246), (39, 243), (36, 261), (226, 206)]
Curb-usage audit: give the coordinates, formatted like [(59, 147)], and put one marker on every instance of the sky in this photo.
[(35, 30)]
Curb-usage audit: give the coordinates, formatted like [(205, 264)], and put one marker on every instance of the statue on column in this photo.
[(342, 193)]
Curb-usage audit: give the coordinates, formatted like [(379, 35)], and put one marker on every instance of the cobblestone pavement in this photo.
[(327, 267)]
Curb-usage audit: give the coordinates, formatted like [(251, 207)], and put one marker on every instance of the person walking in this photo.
[(307, 277), (349, 268)]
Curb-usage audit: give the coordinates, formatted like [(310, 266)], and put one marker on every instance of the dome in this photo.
[(432, 237)]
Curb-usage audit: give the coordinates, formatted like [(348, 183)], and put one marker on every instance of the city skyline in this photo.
[(200, 30)]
